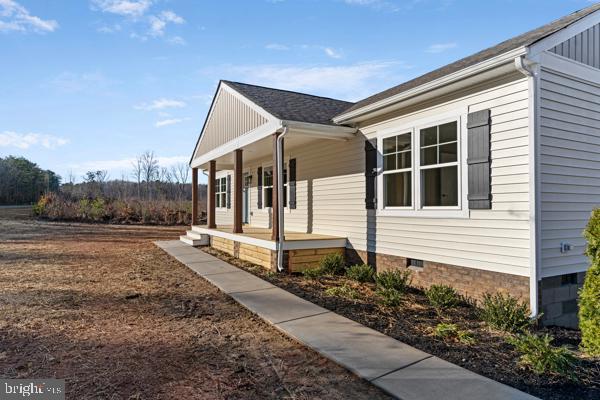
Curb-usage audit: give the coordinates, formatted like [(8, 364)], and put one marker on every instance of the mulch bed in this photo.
[(414, 321)]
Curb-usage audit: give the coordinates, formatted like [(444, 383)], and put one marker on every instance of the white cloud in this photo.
[(27, 140), (109, 28), (350, 82), (159, 23), (332, 52), (160, 104), (172, 121), (127, 8), (15, 17), (440, 47), (125, 164), (377, 4), (276, 46)]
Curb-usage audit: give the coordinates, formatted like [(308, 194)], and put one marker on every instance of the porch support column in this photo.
[(194, 196), (275, 204), (237, 191), (211, 212)]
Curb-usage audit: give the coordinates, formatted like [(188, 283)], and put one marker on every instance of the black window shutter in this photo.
[(371, 174), (259, 202), (292, 184), (228, 191), (479, 160)]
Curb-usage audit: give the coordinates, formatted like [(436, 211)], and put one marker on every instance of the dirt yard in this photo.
[(105, 309)]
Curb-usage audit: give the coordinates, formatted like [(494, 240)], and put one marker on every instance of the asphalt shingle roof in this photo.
[(292, 106), (525, 39)]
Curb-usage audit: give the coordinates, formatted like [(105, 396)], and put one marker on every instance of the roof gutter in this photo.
[(531, 71), (392, 102)]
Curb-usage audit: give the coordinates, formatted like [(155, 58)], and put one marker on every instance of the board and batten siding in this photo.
[(496, 239), (569, 168), (229, 119), (583, 47)]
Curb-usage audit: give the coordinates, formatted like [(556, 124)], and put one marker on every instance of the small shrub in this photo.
[(332, 264), (389, 297), (504, 312), (451, 331), (538, 353), (343, 291), (361, 273), (442, 297), (312, 273), (394, 279), (589, 295)]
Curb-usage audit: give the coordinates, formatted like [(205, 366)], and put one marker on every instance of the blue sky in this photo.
[(90, 84)]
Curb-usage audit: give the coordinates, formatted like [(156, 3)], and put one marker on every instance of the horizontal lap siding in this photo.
[(496, 239), (570, 168)]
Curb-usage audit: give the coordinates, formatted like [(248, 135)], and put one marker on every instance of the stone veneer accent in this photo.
[(470, 282), (558, 299)]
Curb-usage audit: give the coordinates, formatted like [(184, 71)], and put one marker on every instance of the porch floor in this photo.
[(265, 233)]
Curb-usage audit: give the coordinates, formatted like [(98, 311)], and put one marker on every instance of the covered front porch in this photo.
[(246, 150)]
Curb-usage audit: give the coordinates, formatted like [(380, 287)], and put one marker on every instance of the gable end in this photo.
[(583, 47)]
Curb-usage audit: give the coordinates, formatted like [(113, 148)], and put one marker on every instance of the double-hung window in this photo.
[(397, 170), (268, 186), (439, 165), (420, 169), (221, 192)]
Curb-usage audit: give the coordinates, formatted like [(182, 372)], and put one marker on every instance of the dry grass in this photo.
[(119, 319)]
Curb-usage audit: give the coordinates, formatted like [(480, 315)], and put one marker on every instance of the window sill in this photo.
[(424, 213)]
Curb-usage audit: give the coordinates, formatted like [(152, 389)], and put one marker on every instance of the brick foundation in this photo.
[(558, 299), (470, 282)]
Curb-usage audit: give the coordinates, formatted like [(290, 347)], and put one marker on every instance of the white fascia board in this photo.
[(254, 135), (320, 131), (572, 68), (363, 112), (536, 49)]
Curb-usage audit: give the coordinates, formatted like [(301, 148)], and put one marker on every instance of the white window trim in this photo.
[(460, 211), (220, 175), (264, 208), (380, 157)]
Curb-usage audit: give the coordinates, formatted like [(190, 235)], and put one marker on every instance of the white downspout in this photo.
[(280, 206), (525, 66)]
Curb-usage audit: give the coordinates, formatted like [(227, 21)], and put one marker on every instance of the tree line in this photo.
[(23, 182)]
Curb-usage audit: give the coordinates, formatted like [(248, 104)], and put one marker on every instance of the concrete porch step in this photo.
[(195, 239)]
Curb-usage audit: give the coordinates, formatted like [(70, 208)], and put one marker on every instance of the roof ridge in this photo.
[(285, 90)]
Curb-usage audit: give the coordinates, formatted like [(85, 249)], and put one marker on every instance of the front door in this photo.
[(246, 199)]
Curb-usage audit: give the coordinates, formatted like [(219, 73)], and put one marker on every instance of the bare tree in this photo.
[(137, 173), (181, 173), (149, 170)]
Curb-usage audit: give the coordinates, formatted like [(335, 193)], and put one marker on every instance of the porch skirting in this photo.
[(469, 282), (296, 260)]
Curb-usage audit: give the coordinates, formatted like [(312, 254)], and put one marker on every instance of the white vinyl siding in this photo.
[(496, 239), (570, 168), (331, 193)]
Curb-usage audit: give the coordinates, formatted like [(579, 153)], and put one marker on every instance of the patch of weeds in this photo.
[(538, 354), (312, 273), (389, 297), (451, 331), (505, 313), (332, 264), (343, 291), (394, 279), (442, 297), (270, 274), (361, 273)]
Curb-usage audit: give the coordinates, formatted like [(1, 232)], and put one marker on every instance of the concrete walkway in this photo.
[(398, 369)]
